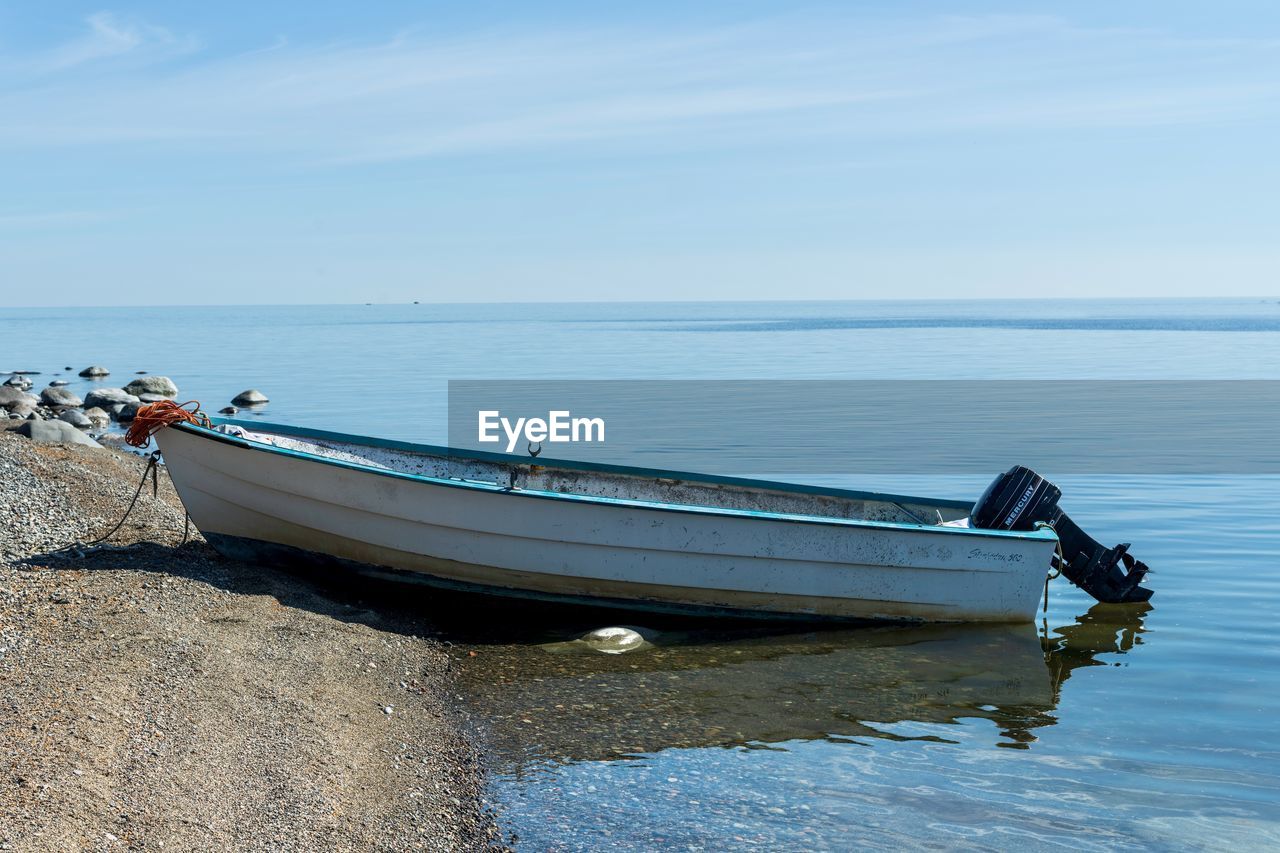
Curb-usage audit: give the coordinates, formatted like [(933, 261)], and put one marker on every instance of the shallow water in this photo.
[(1099, 727)]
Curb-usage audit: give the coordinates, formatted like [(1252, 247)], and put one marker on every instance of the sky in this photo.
[(240, 153)]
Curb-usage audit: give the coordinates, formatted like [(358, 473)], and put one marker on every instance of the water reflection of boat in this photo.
[(1104, 629), (696, 690)]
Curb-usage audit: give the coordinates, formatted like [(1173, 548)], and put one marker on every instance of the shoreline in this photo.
[(157, 695)]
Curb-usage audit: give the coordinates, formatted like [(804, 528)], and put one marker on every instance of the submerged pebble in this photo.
[(614, 640)]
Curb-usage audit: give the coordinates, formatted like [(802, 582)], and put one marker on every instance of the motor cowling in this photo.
[(1019, 499), (1016, 500)]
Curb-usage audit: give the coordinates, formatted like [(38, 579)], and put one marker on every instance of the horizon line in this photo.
[(912, 299)]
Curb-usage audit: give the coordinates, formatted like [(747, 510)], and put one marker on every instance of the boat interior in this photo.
[(609, 482)]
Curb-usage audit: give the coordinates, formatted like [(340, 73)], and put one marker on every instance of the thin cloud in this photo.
[(419, 96), (108, 37)]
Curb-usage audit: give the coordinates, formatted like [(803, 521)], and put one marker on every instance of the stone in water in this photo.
[(252, 397)]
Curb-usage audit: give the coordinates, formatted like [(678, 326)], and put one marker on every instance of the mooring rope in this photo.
[(149, 420), (153, 460), (1054, 571)]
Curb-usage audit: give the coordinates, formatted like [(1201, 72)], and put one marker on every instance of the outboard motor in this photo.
[(1020, 498)]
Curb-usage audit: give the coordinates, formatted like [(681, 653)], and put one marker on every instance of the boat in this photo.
[(619, 536)]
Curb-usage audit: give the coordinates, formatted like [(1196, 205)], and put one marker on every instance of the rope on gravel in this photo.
[(78, 548)]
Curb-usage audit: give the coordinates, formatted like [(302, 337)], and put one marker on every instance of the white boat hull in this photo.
[(257, 500)]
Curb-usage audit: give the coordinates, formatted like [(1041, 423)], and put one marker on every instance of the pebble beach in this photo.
[(156, 696)]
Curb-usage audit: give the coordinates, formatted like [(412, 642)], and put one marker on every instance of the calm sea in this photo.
[(1098, 727)]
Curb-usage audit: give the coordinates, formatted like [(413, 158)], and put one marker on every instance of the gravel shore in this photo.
[(157, 696)]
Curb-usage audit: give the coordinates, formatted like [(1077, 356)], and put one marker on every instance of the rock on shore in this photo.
[(52, 396), (78, 419), (54, 432), (101, 406), (160, 697), (98, 417), (12, 397), (109, 399)]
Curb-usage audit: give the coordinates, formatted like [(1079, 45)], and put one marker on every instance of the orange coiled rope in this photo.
[(154, 417)]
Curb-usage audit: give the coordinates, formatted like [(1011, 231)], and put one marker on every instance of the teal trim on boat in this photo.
[(650, 473)]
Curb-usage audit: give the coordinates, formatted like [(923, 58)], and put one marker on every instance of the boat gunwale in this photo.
[(499, 458)]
